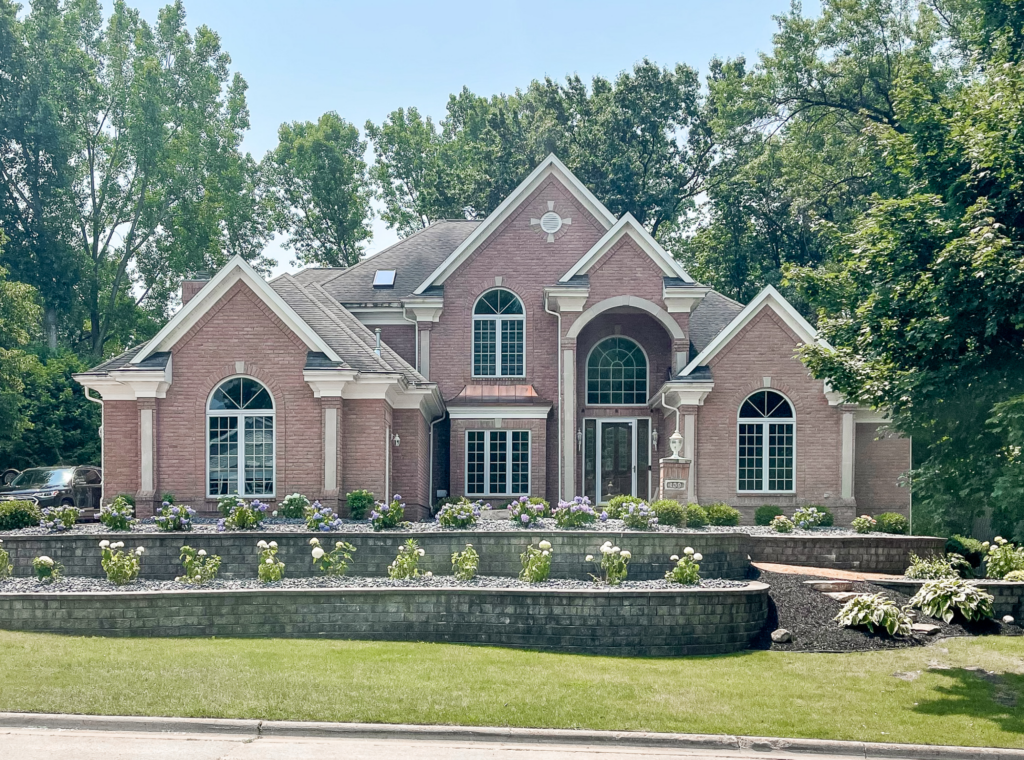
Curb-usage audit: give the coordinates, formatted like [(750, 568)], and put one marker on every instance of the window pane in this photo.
[(512, 346), (498, 462), (780, 457), (520, 461), (643, 458), (617, 373), (751, 457), (485, 347), (223, 453), (259, 456), (254, 395), (475, 465), (227, 396), (590, 460)]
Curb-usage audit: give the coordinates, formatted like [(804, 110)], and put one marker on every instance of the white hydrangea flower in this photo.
[(118, 545), (698, 557), (202, 552), (428, 574), (688, 551), (420, 552), (273, 544), (314, 541), (262, 545), (590, 558), (338, 545), (626, 555), (318, 552), (104, 544), (544, 553), (270, 561), (674, 558), (139, 551), (46, 560), (544, 544)]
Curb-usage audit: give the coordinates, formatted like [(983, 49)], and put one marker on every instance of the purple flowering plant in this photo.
[(173, 517), (576, 513), (638, 515), (524, 513), (461, 514), (388, 516), (60, 519), (319, 517), (244, 516)]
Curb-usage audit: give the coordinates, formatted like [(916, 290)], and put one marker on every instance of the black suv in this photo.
[(55, 486)]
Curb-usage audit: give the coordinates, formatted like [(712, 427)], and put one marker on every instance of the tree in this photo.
[(19, 321), (322, 188)]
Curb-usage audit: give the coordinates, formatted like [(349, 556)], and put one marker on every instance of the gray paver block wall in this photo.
[(869, 554), (607, 621), (1008, 597)]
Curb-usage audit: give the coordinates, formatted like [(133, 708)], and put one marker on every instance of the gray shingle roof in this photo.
[(122, 361), (711, 316)]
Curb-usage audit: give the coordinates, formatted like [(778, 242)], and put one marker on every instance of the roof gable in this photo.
[(550, 166), (769, 298), (628, 225), (236, 270)]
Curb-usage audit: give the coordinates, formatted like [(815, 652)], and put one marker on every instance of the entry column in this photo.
[(568, 412)]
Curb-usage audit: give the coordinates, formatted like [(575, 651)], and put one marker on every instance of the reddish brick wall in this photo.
[(538, 446), (121, 467), (402, 339), (877, 470), (364, 448), (411, 469), (765, 348)]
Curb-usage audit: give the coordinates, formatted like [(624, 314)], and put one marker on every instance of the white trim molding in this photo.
[(628, 225), (683, 300), (635, 302), (565, 299), (499, 412), (683, 394), (129, 384)]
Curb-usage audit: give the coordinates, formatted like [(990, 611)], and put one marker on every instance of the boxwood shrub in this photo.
[(968, 548), (764, 515), (669, 512), (892, 522), (19, 514), (722, 514), (359, 503)]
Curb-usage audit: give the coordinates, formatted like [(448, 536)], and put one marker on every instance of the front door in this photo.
[(617, 467), (616, 458)]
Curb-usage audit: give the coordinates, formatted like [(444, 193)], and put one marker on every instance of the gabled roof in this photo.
[(550, 166), (235, 270), (769, 298), (628, 225), (712, 315)]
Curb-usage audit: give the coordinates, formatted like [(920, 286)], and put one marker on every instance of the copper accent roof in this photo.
[(497, 394)]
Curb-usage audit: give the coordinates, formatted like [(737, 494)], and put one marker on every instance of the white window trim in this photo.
[(497, 319), (241, 414), (586, 376), (764, 422), (508, 465), (600, 422)]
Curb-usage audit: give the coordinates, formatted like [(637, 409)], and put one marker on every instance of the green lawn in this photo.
[(851, 696)]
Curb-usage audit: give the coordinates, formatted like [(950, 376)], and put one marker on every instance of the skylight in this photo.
[(384, 278)]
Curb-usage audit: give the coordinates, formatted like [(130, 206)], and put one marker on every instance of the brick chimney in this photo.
[(189, 288)]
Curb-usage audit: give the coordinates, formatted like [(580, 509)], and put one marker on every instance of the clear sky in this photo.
[(364, 59)]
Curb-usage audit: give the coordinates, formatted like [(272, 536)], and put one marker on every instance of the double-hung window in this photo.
[(497, 462), (498, 335), (766, 445), (240, 439)]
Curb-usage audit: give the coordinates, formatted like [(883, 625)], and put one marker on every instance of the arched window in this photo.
[(766, 443), (498, 335), (240, 439), (617, 373)]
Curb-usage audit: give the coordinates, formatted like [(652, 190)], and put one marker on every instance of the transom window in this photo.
[(766, 446), (617, 373), (498, 335), (240, 439), (497, 462)]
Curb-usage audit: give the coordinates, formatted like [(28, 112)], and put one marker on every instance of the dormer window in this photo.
[(384, 278)]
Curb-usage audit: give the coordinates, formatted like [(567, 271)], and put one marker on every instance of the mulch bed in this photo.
[(809, 616)]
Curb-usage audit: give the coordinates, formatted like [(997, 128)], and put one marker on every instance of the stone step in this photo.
[(830, 585), (926, 628), (842, 596)]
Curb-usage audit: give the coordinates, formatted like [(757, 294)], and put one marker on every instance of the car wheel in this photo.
[(67, 502)]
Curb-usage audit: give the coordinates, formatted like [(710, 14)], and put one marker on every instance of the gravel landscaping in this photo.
[(809, 616)]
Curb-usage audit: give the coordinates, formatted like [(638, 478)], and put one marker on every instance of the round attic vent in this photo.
[(551, 222)]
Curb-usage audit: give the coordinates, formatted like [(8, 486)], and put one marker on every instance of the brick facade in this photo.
[(882, 459)]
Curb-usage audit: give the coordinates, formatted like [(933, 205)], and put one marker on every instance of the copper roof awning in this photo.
[(477, 395)]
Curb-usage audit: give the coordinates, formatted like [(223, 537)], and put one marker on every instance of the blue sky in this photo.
[(363, 60)]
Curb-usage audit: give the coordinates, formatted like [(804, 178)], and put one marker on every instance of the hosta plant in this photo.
[(536, 563), (407, 563), (46, 569), (60, 519), (687, 567), (575, 513), (524, 512), (118, 515), (388, 516), (875, 611), (782, 524), (613, 562), (931, 568), (120, 566), (199, 567), (461, 514), (1017, 576), (174, 518), (638, 515), (465, 563), (1003, 558), (864, 524), (293, 506), (806, 518), (334, 562), (319, 517), (270, 568), (946, 597), (6, 568), (244, 516)]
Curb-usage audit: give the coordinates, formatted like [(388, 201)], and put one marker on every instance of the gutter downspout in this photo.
[(103, 448), (558, 347), (431, 495)]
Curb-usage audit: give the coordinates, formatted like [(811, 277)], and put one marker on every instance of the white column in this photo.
[(849, 436), (146, 442), (689, 452), (424, 338), (568, 411), (330, 449)]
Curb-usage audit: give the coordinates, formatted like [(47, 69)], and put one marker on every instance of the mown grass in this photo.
[(850, 696)]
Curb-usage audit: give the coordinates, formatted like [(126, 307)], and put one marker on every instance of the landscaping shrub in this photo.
[(945, 597), (864, 524), (722, 514), (461, 514), (828, 520), (871, 610), (359, 503), (244, 516), (932, 568), (614, 564), (131, 498), (270, 568), (615, 505), (117, 515), (199, 568), (6, 568), (892, 522), (59, 519), (15, 515), (1003, 558), (523, 512), (764, 515), (47, 571), (971, 549), (293, 506), (696, 516), (319, 517), (638, 515), (782, 524), (575, 513), (387, 516), (536, 563), (334, 562), (807, 518), (670, 512), (173, 517), (536, 501), (120, 566), (227, 503), (686, 569), (465, 563), (406, 564), (168, 497)]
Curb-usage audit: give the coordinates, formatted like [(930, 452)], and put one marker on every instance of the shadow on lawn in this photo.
[(977, 693)]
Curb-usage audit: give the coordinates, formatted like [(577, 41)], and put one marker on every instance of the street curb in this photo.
[(496, 734)]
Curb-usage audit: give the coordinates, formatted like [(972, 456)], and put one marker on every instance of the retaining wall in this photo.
[(869, 554), (607, 621), (1008, 597)]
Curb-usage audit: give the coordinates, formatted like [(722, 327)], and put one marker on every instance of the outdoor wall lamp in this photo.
[(654, 439), (397, 440), (579, 439)]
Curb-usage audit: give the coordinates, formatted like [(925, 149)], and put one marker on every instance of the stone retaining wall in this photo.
[(606, 621), (725, 554), (1008, 596), (869, 554)]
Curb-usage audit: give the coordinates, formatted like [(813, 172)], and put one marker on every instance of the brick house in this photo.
[(549, 349)]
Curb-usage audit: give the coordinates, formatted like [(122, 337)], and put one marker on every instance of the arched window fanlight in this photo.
[(766, 445), (617, 373), (240, 439), (499, 331)]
